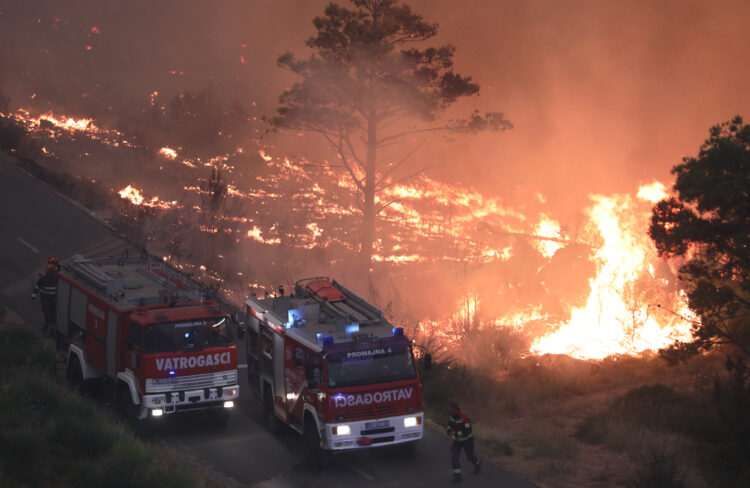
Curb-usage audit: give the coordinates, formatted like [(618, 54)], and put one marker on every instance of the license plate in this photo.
[(376, 425)]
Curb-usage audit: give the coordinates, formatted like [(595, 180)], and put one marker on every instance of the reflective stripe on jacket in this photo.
[(460, 426), (47, 285)]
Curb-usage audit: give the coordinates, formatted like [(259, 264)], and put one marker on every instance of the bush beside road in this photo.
[(623, 421), (50, 436)]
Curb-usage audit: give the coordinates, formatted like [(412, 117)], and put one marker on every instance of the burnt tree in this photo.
[(368, 89)]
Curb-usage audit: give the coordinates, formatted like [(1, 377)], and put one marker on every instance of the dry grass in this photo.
[(532, 420)]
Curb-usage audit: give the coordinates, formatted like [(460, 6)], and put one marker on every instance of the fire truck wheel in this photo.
[(75, 374), (269, 416), (128, 409), (319, 456)]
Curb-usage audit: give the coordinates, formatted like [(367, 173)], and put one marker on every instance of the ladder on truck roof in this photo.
[(168, 279), (86, 270), (337, 300)]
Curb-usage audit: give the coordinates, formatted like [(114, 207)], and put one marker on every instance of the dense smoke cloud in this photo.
[(603, 94)]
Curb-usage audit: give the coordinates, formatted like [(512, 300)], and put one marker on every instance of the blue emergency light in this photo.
[(187, 334), (398, 331), (351, 329), (171, 372), (324, 338)]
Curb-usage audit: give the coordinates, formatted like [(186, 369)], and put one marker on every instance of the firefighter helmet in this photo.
[(52, 259)]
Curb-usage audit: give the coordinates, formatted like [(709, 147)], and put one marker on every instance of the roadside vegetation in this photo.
[(50, 436), (623, 421)]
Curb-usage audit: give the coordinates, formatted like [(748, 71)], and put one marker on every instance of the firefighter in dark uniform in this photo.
[(459, 429), (46, 286)]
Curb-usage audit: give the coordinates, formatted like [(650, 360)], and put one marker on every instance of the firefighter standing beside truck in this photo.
[(459, 429), (46, 286)]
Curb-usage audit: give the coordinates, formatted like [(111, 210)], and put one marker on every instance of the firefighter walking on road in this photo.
[(46, 286), (459, 428)]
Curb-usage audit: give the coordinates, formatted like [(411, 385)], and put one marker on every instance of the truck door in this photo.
[(253, 353), (294, 378), (63, 306), (111, 343), (278, 375)]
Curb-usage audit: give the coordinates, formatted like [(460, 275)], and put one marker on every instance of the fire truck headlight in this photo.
[(228, 404), (157, 412), (412, 421), (341, 430)]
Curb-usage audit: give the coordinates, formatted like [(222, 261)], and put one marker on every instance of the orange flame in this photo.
[(168, 153), (619, 316)]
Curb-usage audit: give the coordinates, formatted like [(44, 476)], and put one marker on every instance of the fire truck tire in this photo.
[(269, 415), (74, 374), (127, 407), (318, 455)]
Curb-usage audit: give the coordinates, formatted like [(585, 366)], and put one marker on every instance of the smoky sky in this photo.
[(604, 95)]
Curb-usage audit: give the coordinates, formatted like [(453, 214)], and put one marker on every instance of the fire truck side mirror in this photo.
[(239, 325), (427, 361)]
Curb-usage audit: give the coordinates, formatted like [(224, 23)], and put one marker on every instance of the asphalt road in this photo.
[(36, 222)]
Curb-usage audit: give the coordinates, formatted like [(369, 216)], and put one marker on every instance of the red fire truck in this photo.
[(328, 364), (141, 327)]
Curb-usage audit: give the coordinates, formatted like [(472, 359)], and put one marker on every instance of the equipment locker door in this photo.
[(278, 375), (63, 305), (111, 343)]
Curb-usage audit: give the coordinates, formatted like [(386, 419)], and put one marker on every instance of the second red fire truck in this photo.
[(152, 335), (328, 364)]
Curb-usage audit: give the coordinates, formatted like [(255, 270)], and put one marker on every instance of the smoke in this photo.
[(604, 96)]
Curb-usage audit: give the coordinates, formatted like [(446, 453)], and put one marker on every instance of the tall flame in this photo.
[(619, 316)]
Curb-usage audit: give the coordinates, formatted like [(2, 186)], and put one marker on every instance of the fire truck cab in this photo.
[(150, 333), (328, 364)]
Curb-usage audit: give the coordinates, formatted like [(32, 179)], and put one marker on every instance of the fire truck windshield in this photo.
[(370, 366), (186, 335)]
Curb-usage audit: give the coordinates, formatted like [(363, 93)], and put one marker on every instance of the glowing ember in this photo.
[(132, 194), (50, 125), (168, 153)]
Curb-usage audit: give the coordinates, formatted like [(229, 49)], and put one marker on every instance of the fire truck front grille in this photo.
[(368, 412), (192, 382), (380, 440), (377, 431)]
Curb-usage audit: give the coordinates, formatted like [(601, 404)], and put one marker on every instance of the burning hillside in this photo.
[(589, 294)]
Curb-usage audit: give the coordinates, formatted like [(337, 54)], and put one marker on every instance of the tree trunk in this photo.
[(368, 211)]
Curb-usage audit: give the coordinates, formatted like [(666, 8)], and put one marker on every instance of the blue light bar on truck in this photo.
[(398, 331), (351, 329), (324, 338)]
